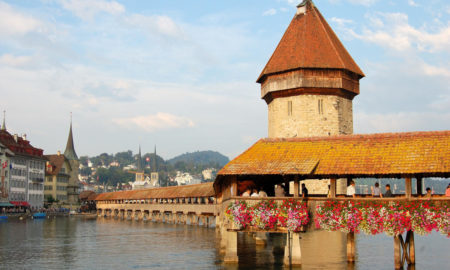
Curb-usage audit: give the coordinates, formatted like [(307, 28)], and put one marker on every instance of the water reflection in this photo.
[(75, 243)]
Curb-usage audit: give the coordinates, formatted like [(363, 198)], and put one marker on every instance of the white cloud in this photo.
[(393, 31), (87, 9), (401, 121), (341, 22), (435, 71), (156, 23), (412, 3), (14, 23), (270, 12), (159, 121), (16, 61), (356, 2)]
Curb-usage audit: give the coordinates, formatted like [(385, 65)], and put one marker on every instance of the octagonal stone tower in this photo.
[(310, 80)]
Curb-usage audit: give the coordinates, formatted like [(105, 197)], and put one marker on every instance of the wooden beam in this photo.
[(332, 188), (397, 252), (408, 187), (234, 191), (419, 185), (411, 247), (296, 186)]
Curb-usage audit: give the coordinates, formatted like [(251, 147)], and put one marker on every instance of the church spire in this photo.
[(139, 161), (70, 153), (154, 165), (4, 125)]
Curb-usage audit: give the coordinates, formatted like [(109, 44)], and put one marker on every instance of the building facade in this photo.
[(5, 162), (26, 170), (309, 84), (57, 177)]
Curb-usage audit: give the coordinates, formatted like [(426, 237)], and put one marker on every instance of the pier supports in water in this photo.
[(404, 250), (351, 247), (292, 251), (231, 247)]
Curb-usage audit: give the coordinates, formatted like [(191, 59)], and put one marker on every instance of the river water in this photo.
[(77, 243)]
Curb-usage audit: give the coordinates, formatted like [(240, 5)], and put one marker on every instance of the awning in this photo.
[(6, 204), (20, 203)]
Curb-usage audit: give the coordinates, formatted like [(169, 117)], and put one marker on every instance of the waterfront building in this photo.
[(73, 185), (57, 176), (5, 155), (26, 171)]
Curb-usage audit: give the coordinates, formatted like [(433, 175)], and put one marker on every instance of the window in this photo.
[(289, 108), (320, 106)]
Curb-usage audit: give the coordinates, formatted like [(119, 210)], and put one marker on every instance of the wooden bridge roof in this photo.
[(373, 155), (199, 190)]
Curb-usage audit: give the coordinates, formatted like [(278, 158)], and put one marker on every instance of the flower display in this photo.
[(269, 215), (392, 218), (239, 214)]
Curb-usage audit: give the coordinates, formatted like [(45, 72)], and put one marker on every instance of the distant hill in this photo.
[(201, 158)]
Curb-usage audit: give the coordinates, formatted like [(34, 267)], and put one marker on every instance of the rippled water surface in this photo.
[(76, 243)]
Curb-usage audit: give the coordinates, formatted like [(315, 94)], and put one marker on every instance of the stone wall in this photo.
[(310, 116)]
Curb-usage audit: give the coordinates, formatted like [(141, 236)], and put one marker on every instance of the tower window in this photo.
[(289, 108), (320, 106)]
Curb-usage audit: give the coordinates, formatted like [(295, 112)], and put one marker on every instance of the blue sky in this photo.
[(181, 74)]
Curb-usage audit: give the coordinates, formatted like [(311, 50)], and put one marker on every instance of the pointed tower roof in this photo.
[(70, 153), (139, 160), (4, 124), (309, 42)]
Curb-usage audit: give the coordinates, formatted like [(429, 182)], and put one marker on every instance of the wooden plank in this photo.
[(397, 253), (296, 187), (333, 188), (419, 185), (408, 187)]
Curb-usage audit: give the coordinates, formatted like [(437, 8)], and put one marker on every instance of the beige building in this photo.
[(56, 178)]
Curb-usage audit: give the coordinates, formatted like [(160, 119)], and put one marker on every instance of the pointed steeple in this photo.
[(70, 153), (154, 165), (139, 161), (4, 125)]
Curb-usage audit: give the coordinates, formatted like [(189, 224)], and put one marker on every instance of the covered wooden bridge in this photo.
[(193, 204), (328, 160)]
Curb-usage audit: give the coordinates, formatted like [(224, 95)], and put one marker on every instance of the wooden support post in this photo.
[(234, 191), (411, 247), (332, 188), (351, 247), (231, 248), (419, 185), (408, 187), (292, 252), (261, 239), (296, 186), (398, 252)]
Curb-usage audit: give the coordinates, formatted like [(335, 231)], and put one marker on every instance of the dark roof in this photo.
[(56, 163), (70, 148), (309, 42), (199, 190), (370, 155)]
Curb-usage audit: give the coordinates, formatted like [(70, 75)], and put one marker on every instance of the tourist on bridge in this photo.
[(388, 193), (351, 191), (428, 195), (447, 191), (255, 193), (376, 192), (279, 191), (246, 193), (304, 191), (262, 193)]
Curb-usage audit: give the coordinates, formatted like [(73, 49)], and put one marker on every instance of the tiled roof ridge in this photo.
[(343, 59), (361, 136)]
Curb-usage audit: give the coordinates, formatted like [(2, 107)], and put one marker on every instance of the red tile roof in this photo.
[(199, 190), (371, 155), (56, 163), (21, 146), (309, 42)]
